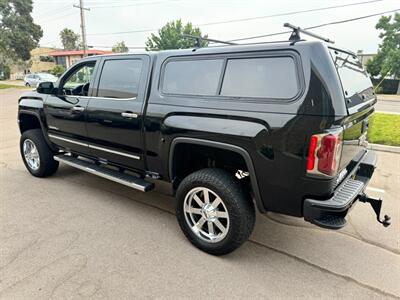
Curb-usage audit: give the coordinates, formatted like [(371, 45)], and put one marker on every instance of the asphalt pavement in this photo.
[(388, 106), (77, 236)]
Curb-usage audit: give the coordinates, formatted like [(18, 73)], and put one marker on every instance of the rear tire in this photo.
[(220, 224), (36, 154)]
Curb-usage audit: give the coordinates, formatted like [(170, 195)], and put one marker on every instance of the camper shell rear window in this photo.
[(356, 84)]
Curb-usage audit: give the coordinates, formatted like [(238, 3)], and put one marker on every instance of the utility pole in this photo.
[(83, 26)]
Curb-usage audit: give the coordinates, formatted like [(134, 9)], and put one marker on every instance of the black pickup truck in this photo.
[(277, 127)]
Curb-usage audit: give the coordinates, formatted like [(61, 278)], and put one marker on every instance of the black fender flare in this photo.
[(42, 127), (253, 178)]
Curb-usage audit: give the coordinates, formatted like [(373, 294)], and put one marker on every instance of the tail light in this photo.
[(324, 154)]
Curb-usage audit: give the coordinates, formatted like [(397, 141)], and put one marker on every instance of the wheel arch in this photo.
[(31, 120), (218, 145)]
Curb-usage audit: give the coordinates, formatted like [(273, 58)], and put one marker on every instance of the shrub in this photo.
[(58, 70)]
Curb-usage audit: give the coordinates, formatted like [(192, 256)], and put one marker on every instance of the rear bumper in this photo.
[(330, 213)]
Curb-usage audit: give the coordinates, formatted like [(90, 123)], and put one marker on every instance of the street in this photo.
[(77, 236), (388, 106)]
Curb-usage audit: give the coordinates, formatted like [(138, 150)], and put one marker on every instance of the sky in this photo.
[(107, 18)]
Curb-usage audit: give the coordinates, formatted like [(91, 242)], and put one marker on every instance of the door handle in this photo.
[(78, 108), (129, 115)]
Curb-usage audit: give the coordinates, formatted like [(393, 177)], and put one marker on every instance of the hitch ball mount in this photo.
[(376, 206)]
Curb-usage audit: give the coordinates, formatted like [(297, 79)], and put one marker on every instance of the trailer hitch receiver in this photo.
[(376, 206)]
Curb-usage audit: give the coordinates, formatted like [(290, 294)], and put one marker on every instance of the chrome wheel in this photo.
[(31, 155), (206, 214)]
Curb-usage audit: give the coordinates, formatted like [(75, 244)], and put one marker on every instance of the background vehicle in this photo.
[(276, 127), (34, 79)]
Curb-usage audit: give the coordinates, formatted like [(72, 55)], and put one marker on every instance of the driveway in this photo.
[(77, 236)]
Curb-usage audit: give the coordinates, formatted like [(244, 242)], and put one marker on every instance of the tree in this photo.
[(58, 70), (18, 33), (170, 37), (387, 61), (120, 47), (69, 39)]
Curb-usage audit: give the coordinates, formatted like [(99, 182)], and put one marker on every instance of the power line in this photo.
[(57, 17), (290, 31), (244, 19), (316, 26), (277, 33), (288, 13), (89, 1), (129, 5), (123, 32), (111, 4), (58, 9)]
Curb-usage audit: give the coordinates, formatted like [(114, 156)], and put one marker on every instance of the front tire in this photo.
[(214, 212), (36, 154)]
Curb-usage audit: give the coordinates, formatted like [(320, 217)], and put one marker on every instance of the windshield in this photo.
[(356, 84)]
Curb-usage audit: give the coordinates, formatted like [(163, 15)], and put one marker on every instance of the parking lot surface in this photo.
[(77, 236)]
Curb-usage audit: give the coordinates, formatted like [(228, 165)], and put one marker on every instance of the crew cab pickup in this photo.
[(278, 127)]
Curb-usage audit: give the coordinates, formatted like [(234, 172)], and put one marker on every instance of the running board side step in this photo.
[(113, 175)]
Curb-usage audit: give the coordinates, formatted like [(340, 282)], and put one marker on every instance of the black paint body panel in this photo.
[(274, 133)]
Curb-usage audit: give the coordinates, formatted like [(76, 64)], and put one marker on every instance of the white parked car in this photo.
[(35, 79)]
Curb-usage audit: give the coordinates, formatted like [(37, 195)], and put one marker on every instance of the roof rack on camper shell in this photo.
[(294, 37), (199, 39)]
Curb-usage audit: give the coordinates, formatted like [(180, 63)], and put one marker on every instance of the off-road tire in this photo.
[(239, 206)]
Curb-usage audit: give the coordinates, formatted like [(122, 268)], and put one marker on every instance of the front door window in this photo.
[(78, 82)]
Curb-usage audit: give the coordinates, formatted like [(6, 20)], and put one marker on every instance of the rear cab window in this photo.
[(356, 84), (253, 77)]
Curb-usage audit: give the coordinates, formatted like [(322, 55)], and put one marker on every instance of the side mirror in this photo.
[(45, 88)]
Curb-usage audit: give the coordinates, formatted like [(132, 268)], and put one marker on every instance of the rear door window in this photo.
[(120, 78), (192, 77), (267, 77)]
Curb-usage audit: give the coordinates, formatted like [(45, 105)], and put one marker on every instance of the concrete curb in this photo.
[(384, 148)]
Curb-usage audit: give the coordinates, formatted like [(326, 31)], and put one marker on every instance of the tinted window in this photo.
[(272, 77), (355, 80), (77, 81), (81, 76), (120, 78), (194, 77)]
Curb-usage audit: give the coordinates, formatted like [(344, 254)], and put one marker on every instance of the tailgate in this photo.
[(360, 100), (355, 136)]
